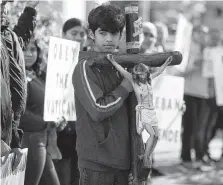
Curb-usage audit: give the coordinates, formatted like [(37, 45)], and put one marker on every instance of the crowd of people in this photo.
[(95, 148)]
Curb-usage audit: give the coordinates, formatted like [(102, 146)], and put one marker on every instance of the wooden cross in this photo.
[(128, 60)]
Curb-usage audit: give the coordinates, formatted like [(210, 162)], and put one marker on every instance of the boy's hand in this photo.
[(127, 85), (32, 3)]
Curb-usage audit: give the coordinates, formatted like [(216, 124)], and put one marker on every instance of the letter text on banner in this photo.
[(168, 99), (59, 93)]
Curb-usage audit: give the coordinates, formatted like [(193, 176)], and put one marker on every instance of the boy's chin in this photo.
[(109, 50)]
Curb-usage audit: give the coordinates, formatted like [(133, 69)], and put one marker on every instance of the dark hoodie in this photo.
[(102, 121)]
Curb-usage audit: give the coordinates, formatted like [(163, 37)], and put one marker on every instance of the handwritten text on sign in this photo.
[(59, 94)]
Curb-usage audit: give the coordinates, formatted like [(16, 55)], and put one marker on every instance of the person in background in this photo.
[(148, 42), (195, 97), (215, 50), (36, 130), (13, 83), (162, 36), (149, 38), (76, 30)]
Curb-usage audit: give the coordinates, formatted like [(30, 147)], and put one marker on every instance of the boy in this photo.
[(102, 122)]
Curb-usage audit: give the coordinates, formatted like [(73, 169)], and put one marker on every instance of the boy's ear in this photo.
[(91, 34), (120, 36)]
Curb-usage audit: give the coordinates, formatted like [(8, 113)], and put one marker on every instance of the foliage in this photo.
[(49, 20)]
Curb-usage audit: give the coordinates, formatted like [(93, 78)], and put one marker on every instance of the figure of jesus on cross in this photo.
[(140, 79)]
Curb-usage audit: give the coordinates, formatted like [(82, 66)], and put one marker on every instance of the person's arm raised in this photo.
[(162, 68)]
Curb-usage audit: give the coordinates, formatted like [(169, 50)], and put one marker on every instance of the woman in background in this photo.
[(39, 161), (67, 169)]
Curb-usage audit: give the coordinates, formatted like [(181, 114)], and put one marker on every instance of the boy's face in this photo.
[(105, 41)]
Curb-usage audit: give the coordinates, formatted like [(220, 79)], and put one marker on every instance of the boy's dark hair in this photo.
[(109, 18), (70, 23), (140, 69)]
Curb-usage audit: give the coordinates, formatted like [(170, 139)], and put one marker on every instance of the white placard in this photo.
[(16, 177), (183, 41), (207, 68), (59, 93), (168, 100), (218, 74)]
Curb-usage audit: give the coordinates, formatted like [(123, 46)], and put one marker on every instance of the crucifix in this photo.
[(128, 60)]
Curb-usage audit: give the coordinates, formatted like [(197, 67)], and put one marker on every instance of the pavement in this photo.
[(174, 174)]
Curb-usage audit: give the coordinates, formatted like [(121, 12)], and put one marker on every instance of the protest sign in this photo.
[(59, 93), (16, 177), (217, 57), (183, 41), (207, 68), (168, 100)]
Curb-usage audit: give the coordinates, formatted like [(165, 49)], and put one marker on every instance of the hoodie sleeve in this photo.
[(96, 103)]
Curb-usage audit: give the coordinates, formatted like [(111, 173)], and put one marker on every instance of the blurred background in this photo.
[(51, 17), (52, 14)]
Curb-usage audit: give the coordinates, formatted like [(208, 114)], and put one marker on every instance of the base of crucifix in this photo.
[(139, 171)]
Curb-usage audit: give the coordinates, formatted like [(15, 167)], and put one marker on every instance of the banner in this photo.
[(217, 57), (183, 41), (59, 92), (207, 68), (168, 100), (16, 177)]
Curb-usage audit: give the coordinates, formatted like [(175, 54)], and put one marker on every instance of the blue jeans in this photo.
[(39, 163), (90, 177)]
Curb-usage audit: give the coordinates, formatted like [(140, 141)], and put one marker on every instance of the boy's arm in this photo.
[(91, 96), (26, 24), (125, 73)]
